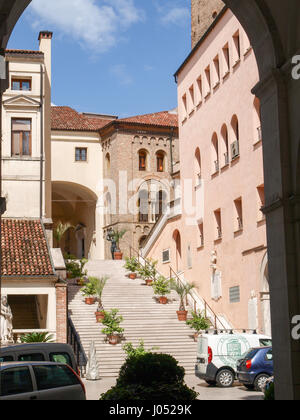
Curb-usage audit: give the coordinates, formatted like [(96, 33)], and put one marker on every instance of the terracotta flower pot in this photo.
[(163, 300), (113, 339), (118, 255), (182, 315), (149, 282), (196, 335), (99, 316), (89, 301), (132, 276)]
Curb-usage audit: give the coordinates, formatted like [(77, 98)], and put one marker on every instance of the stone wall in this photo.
[(204, 13)]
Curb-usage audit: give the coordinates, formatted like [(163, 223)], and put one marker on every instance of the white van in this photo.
[(218, 353)]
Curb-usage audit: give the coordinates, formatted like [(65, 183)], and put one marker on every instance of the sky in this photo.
[(114, 57)]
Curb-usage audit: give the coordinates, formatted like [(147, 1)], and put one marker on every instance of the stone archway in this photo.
[(274, 35), (75, 204)]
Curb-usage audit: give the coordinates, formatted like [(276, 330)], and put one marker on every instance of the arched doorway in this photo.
[(178, 251), (76, 205)]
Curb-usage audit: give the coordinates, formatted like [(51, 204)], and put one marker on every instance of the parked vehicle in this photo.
[(39, 381), (218, 354), (40, 352), (255, 368)]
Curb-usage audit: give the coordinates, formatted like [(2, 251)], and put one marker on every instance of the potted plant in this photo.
[(182, 290), (112, 328), (117, 236), (132, 265), (99, 286), (198, 323), (161, 287), (148, 272), (89, 292)]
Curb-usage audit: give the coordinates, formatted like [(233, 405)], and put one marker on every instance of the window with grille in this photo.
[(234, 294), (81, 154), (142, 161), (21, 137), (166, 256), (21, 84)]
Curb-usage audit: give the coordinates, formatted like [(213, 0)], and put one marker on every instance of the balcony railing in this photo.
[(240, 223), (217, 166), (226, 158), (259, 131)]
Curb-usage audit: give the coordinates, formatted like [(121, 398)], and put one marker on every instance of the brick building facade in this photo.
[(204, 12), (139, 158)]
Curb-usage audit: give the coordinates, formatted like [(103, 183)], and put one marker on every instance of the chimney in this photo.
[(45, 38)]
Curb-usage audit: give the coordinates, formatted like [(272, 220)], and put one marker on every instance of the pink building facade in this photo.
[(218, 239)]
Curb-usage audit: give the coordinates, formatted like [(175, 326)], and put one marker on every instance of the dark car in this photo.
[(39, 381), (255, 368), (40, 352)]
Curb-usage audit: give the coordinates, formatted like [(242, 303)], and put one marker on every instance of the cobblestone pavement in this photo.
[(238, 392)]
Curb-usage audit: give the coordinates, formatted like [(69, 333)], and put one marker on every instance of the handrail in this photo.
[(75, 343), (206, 305)]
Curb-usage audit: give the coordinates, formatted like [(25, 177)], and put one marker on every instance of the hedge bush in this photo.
[(160, 392), (149, 377), (150, 368)]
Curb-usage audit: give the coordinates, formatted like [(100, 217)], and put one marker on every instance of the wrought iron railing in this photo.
[(207, 308), (75, 343)]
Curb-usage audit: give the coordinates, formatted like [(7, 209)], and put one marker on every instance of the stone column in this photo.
[(274, 93)]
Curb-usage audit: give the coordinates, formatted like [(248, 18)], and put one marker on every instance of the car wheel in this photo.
[(260, 382), (225, 378)]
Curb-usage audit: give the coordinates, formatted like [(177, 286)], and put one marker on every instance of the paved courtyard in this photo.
[(238, 392)]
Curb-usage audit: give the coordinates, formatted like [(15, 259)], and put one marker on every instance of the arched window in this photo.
[(177, 240), (197, 169), (215, 153), (142, 160), (161, 204), (160, 161), (235, 144), (257, 121), (225, 145), (143, 205)]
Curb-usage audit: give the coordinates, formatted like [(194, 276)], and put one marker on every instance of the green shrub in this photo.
[(37, 337), (162, 286), (112, 322), (159, 392), (132, 264), (150, 368), (138, 351), (198, 322)]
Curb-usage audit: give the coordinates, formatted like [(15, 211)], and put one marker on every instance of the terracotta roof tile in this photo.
[(164, 118), (24, 249), (66, 118), (31, 52)]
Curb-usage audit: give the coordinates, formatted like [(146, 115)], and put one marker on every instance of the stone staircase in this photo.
[(144, 318)]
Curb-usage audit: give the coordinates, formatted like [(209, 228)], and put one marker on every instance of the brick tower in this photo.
[(204, 13)]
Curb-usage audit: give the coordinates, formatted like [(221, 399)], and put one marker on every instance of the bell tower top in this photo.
[(204, 12)]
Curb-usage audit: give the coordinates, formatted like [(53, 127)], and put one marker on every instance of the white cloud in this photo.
[(95, 24), (176, 16), (121, 73)]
